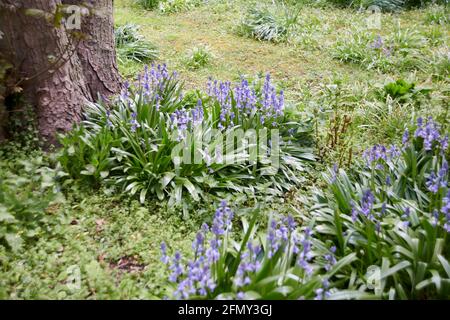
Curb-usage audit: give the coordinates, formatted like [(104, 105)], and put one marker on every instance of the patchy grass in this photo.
[(305, 64), (112, 244)]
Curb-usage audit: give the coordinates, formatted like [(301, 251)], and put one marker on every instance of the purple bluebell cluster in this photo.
[(222, 219), (405, 137), (279, 234), (378, 152), (249, 265), (446, 211), (323, 292), (196, 278), (149, 87), (365, 207), (440, 180), (431, 135), (267, 105), (378, 44), (134, 122), (153, 80), (405, 216), (181, 120), (305, 256), (330, 258), (151, 83), (176, 267)]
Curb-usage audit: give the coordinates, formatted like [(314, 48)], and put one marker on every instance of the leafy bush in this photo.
[(379, 231), (385, 5), (148, 4), (403, 91), (280, 264), (438, 15), (169, 6), (403, 50), (393, 212), (172, 6), (146, 141), (198, 57), (268, 23), (130, 45), (27, 187)]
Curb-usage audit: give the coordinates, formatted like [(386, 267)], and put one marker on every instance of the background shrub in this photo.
[(130, 45), (269, 23), (27, 187), (198, 57)]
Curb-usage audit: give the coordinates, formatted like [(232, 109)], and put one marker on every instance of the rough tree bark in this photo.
[(57, 74)]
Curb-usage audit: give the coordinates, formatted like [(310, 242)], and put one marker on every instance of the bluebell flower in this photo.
[(354, 211), (164, 257), (430, 133), (323, 292), (306, 254), (377, 43), (435, 181), (444, 143), (445, 209), (176, 267), (405, 137), (367, 202), (383, 208), (108, 119), (197, 244), (125, 94), (134, 123), (388, 180), (330, 258), (405, 216), (222, 219)]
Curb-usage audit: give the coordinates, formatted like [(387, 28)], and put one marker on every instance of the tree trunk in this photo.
[(59, 72), (97, 54)]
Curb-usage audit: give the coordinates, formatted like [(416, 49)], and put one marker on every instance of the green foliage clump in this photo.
[(153, 141), (402, 90), (148, 4), (380, 230), (386, 5), (403, 50), (393, 212), (130, 45), (269, 23), (173, 6), (27, 187), (285, 262), (198, 57)]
